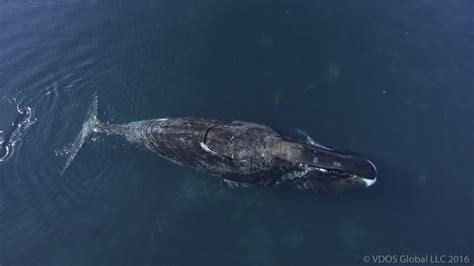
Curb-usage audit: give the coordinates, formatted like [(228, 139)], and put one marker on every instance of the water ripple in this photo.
[(11, 136), (58, 76)]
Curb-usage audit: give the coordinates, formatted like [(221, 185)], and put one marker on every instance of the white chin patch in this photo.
[(369, 182)]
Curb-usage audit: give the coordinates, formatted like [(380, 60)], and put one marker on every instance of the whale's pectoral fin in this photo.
[(234, 184), (310, 141)]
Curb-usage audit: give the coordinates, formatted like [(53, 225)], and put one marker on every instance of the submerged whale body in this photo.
[(241, 153)]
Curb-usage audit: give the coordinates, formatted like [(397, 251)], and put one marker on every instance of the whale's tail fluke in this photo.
[(90, 125)]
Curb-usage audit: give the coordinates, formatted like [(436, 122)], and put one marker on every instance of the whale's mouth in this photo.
[(371, 177), (369, 182)]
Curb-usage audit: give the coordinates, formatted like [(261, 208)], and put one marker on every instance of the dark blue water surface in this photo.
[(391, 80)]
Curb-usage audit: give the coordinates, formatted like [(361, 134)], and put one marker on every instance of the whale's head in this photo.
[(321, 169), (349, 174)]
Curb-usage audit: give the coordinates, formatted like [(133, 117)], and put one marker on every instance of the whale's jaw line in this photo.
[(369, 182)]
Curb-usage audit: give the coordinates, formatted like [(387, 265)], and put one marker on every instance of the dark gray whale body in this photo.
[(241, 153)]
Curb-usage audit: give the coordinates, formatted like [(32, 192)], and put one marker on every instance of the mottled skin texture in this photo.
[(245, 153)]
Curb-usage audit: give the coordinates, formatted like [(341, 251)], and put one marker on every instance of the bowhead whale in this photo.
[(240, 153)]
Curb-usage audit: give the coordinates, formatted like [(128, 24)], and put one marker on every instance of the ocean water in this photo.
[(391, 80)]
